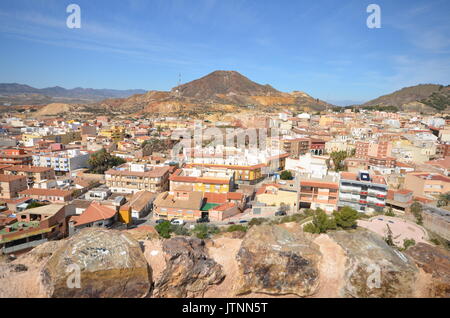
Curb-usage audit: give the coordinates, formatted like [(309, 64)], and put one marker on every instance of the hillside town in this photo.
[(59, 176)]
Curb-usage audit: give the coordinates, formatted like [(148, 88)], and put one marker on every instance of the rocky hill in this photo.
[(423, 97), (220, 91), (267, 261)]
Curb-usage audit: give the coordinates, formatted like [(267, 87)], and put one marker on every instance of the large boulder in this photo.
[(277, 260), (373, 268), (435, 262), (189, 271), (110, 264)]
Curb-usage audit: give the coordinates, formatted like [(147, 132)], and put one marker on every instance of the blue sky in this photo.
[(321, 47)]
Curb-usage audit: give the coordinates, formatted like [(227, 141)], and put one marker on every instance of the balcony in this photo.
[(349, 189)]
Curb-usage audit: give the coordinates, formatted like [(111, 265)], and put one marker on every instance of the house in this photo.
[(52, 195), (33, 227), (141, 203), (275, 195), (192, 205), (98, 194), (95, 215)]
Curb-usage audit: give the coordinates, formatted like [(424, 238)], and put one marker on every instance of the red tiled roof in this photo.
[(95, 212)]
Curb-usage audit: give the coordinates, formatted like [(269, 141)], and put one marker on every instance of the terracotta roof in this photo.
[(224, 206), (46, 192), (8, 178), (95, 212), (28, 168)]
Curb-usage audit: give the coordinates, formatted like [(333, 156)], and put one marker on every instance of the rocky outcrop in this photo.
[(110, 264), (189, 270), (268, 261), (435, 262), (374, 269), (277, 260)]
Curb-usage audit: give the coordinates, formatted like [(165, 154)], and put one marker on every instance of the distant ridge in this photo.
[(16, 94)]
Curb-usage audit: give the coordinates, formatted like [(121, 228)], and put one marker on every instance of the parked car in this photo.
[(177, 222), (391, 221), (280, 213), (243, 221), (231, 223), (159, 221), (203, 220)]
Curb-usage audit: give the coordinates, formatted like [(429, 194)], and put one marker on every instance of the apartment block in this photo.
[(319, 193), (15, 157), (10, 186), (427, 184), (62, 161), (131, 178), (33, 174), (362, 191)]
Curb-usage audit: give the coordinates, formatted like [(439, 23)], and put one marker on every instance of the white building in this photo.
[(62, 161)]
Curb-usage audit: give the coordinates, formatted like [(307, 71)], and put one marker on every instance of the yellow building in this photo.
[(115, 133), (274, 195), (203, 180), (125, 214)]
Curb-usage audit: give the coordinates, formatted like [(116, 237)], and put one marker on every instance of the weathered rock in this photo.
[(189, 270), (277, 260), (436, 262), (373, 268), (111, 264)]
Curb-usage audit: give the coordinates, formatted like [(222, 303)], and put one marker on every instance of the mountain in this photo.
[(18, 94), (423, 97), (219, 91), (223, 83)]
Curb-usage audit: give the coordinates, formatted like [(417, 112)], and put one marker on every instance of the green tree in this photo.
[(346, 217), (338, 158), (321, 223), (443, 199), (416, 209), (102, 160), (286, 175), (164, 229)]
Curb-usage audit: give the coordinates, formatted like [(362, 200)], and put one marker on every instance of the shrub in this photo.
[(257, 221), (164, 229), (237, 227), (408, 243)]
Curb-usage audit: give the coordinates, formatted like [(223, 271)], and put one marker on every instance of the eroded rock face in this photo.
[(277, 260), (189, 270), (374, 269), (436, 262), (111, 264)]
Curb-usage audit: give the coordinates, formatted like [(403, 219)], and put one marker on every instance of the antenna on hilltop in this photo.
[(179, 79)]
